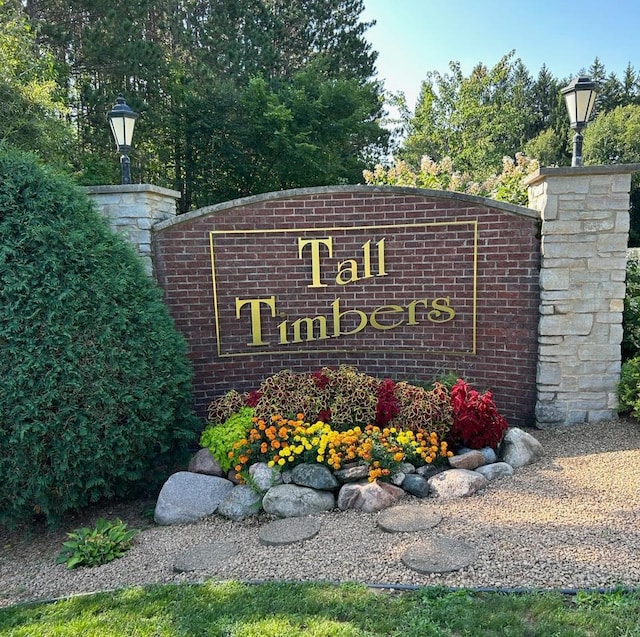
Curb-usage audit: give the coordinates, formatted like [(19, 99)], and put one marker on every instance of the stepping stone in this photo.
[(204, 557), (408, 518), (288, 531), (439, 555)]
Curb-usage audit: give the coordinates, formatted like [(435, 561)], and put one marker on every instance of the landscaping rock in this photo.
[(408, 518), (456, 483), (490, 456), (234, 476), (439, 555), (204, 462), (314, 476), (468, 460), (406, 467), (428, 470), (242, 502), (416, 485), (397, 478), (291, 500), (264, 477), (288, 531), (495, 470), (518, 448), (368, 496), (187, 497), (352, 474), (205, 557)]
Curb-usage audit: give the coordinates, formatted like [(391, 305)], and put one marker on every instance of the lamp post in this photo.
[(122, 121), (580, 96)]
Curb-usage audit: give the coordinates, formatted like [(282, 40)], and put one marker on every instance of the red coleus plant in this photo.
[(476, 421), (387, 407)]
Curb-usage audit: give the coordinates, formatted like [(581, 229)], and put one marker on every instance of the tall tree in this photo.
[(32, 109)]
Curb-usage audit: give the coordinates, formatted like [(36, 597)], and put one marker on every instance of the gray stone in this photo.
[(291, 500), (439, 555), (315, 476), (428, 470), (234, 476), (456, 483), (205, 557), (352, 474), (495, 470), (368, 496), (264, 477), (467, 460), (397, 478), (204, 462), (406, 467), (408, 518), (489, 455), (519, 448), (288, 531), (416, 485), (187, 497), (242, 502)]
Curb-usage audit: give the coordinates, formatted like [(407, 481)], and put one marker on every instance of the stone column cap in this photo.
[(580, 171), (132, 188)]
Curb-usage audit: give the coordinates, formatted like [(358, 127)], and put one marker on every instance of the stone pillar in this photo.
[(133, 210), (584, 234)]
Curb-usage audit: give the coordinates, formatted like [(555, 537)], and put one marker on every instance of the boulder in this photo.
[(495, 470), (264, 477), (314, 476), (468, 460), (489, 454), (456, 483), (242, 502), (428, 470), (353, 473), (204, 462), (416, 485), (291, 500), (187, 497), (368, 496), (518, 448)]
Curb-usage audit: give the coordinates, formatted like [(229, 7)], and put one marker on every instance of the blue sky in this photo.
[(413, 37)]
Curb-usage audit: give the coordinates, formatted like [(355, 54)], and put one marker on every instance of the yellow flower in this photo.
[(281, 461)]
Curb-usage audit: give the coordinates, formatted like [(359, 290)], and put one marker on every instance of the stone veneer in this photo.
[(585, 226), (133, 210)]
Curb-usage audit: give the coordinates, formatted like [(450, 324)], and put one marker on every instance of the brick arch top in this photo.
[(320, 190), (400, 282)]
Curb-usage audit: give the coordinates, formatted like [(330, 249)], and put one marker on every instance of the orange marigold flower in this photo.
[(275, 444), (264, 447)]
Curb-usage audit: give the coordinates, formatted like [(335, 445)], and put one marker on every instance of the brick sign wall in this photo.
[(398, 282)]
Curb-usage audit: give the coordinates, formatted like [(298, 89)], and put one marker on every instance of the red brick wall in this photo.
[(400, 283)]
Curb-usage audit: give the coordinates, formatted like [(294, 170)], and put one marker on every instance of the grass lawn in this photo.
[(244, 610)]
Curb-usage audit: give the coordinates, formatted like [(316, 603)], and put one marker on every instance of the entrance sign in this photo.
[(385, 288)]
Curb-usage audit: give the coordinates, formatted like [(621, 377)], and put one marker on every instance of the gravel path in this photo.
[(570, 521)]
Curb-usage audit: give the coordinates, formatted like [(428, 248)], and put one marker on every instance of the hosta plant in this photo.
[(107, 541)]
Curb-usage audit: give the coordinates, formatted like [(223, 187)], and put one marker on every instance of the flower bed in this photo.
[(337, 417)]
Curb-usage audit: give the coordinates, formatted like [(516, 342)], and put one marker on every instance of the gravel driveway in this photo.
[(570, 521)]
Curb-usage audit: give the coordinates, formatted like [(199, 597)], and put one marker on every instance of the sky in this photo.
[(413, 37)]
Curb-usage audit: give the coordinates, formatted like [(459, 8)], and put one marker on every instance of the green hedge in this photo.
[(94, 380)]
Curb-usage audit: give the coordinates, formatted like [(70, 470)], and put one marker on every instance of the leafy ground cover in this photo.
[(234, 609)]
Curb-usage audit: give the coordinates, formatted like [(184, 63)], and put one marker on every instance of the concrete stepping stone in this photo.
[(439, 555), (288, 531), (204, 557), (408, 518)]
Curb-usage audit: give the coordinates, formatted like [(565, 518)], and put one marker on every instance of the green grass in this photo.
[(318, 610)]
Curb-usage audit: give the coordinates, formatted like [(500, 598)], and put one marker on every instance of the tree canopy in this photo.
[(236, 96)]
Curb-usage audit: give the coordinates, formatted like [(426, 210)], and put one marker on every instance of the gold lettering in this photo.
[(256, 321), (381, 264), (352, 271), (441, 306), (337, 318), (309, 323), (386, 309), (316, 281), (411, 308), (366, 259)]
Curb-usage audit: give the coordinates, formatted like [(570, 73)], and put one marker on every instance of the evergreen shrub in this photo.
[(94, 380)]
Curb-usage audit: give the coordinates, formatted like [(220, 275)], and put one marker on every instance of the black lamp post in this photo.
[(580, 96), (122, 121)]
